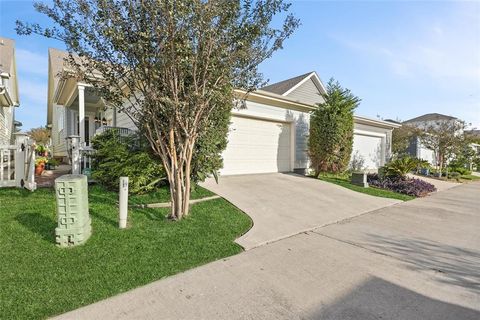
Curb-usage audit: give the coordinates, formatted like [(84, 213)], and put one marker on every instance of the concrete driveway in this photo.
[(416, 260), (282, 205)]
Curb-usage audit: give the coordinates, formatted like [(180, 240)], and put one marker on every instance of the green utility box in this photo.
[(74, 225)]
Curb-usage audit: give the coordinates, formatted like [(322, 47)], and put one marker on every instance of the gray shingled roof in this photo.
[(7, 48), (431, 117), (285, 85)]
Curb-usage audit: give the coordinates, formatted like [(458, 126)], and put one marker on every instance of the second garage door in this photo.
[(369, 148), (257, 146)]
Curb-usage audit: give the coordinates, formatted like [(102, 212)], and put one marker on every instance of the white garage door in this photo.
[(369, 148), (257, 146)]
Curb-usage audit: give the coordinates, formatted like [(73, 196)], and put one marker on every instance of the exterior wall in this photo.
[(300, 122), (6, 125), (307, 92), (61, 118), (124, 121)]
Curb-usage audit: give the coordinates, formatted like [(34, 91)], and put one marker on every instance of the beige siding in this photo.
[(124, 121), (6, 122), (307, 92), (59, 134)]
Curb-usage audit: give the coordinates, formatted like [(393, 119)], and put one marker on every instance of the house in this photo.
[(9, 98), (416, 148), (269, 135)]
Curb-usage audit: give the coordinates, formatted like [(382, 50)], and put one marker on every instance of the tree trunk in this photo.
[(180, 183)]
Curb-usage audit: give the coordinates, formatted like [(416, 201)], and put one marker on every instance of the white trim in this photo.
[(251, 116), (369, 133), (293, 129), (317, 78)]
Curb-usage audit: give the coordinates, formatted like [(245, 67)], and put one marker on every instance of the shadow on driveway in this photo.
[(379, 299)]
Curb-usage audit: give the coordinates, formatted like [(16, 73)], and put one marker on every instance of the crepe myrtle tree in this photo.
[(330, 141), (445, 137), (171, 66)]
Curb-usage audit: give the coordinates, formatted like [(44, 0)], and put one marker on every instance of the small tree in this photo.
[(445, 138), (331, 130), (171, 66), (41, 135), (401, 138)]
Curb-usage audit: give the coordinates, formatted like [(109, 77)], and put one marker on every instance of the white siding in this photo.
[(307, 93), (60, 117), (6, 123), (124, 121)]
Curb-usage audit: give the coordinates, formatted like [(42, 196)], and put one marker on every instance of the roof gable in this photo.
[(431, 117), (284, 86), (306, 88)]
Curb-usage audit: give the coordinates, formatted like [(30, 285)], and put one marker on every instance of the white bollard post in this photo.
[(123, 202)]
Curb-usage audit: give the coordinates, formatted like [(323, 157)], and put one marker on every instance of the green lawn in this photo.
[(469, 177), (39, 279), (377, 192)]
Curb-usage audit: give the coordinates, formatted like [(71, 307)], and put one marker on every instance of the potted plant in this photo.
[(52, 163), (40, 165), (41, 150)]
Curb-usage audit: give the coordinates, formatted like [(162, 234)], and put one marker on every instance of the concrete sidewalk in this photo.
[(415, 260), (282, 205)]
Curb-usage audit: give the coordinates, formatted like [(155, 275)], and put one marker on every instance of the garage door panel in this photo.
[(257, 146), (369, 148)]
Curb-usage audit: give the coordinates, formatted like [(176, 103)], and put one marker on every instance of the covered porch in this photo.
[(85, 112)]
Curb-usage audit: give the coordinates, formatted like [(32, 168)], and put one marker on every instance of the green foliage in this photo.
[(39, 160), (401, 138), (40, 135), (344, 181), (460, 170), (400, 167), (39, 280), (331, 130), (207, 159), (117, 156), (178, 63)]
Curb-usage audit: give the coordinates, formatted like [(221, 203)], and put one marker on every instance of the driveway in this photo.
[(415, 260), (282, 205)]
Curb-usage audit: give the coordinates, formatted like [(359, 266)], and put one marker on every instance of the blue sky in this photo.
[(402, 58)]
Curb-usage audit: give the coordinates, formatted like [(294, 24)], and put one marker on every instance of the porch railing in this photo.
[(122, 132)]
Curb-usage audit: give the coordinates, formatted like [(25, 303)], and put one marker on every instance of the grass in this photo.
[(39, 279), (469, 177), (163, 195), (344, 181)]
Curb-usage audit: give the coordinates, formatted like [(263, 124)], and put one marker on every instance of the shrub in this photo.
[(119, 156), (330, 139), (399, 168), (459, 170), (409, 186), (357, 163), (454, 175)]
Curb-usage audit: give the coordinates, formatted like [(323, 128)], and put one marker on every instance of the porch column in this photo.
[(81, 112)]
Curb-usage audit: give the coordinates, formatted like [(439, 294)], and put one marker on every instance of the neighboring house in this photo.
[(8, 90), (416, 148), (269, 135)]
